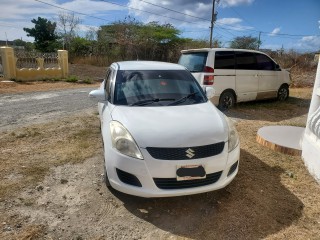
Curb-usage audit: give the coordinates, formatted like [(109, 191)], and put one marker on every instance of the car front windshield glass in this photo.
[(157, 88)]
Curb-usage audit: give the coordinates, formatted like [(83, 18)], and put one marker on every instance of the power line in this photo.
[(172, 10), (80, 13), (122, 5)]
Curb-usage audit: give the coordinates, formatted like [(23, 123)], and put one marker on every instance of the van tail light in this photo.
[(208, 79)]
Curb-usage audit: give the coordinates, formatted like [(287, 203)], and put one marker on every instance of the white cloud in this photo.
[(195, 14), (275, 31), (186, 13), (308, 43), (233, 3), (319, 24), (15, 15), (232, 24), (228, 21)]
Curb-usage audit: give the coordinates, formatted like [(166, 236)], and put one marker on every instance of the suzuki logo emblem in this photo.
[(190, 153)]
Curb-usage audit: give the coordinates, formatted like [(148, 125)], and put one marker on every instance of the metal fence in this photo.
[(29, 59)]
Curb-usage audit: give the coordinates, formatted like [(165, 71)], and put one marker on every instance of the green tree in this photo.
[(27, 45), (245, 42), (45, 37), (80, 46), (131, 39)]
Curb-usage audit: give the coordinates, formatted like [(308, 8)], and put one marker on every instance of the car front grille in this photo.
[(186, 152), (172, 183)]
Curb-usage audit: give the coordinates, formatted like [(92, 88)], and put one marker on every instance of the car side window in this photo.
[(246, 61), (264, 62), (224, 60)]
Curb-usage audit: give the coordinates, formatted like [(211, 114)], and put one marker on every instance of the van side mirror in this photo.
[(277, 68), (98, 95), (209, 92)]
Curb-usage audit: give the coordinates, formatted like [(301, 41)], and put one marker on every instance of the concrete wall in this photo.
[(10, 71), (311, 139)]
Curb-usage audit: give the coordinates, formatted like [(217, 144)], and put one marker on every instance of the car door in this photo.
[(268, 77), (247, 80)]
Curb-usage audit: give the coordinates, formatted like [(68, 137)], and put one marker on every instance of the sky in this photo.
[(291, 24)]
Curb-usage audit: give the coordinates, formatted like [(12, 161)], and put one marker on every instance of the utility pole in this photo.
[(259, 41), (212, 22), (6, 39)]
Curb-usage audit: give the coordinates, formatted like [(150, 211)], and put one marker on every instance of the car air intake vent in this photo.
[(187, 152), (233, 168), (172, 183), (128, 178)]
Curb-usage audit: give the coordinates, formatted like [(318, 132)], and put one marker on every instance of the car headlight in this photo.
[(123, 141), (233, 138)]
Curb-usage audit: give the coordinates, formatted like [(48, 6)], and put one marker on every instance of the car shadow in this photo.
[(255, 205), (270, 110)]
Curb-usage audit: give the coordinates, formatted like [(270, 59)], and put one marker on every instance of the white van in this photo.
[(237, 75)]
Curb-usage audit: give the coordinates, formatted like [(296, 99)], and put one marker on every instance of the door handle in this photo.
[(256, 75)]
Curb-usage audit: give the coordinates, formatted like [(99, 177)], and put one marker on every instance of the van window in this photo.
[(264, 62), (194, 61), (224, 60), (246, 60)]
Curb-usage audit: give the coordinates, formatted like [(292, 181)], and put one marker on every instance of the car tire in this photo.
[(226, 100), (283, 93)]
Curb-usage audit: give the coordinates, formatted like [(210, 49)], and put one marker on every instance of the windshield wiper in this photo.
[(149, 101), (183, 99)]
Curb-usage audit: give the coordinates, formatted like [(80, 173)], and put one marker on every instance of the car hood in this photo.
[(173, 126)]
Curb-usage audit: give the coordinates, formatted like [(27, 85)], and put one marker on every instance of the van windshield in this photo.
[(194, 61)]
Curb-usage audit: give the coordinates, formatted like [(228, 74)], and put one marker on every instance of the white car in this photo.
[(237, 75), (162, 136)]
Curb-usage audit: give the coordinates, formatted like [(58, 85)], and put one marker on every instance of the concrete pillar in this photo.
[(63, 62), (315, 100), (8, 62), (40, 62), (311, 141)]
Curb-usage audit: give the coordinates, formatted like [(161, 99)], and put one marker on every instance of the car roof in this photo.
[(147, 65)]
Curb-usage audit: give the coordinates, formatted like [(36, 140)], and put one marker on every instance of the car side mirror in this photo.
[(209, 92), (98, 95), (277, 68)]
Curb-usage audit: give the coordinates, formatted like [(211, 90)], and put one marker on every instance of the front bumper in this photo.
[(148, 170)]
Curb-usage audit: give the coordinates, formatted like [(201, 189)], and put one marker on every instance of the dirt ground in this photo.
[(52, 188)]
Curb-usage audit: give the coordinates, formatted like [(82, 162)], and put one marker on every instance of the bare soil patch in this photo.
[(85, 71), (52, 187)]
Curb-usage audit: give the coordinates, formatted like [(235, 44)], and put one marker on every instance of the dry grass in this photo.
[(28, 153)]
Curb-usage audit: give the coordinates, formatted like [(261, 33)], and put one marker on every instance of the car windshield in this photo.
[(157, 88)]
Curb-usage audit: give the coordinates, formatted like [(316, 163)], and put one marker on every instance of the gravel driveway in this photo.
[(28, 108)]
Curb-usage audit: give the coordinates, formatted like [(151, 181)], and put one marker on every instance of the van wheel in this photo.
[(226, 101), (283, 93)]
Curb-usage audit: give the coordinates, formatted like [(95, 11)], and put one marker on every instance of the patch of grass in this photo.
[(87, 81), (72, 78), (32, 151)]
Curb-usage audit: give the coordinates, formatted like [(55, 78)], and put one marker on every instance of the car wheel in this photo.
[(105, 177), (283, 93), (226, 101)]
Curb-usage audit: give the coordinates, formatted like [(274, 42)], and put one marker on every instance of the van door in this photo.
[(268, 77), (247, 80), (224, 71)]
